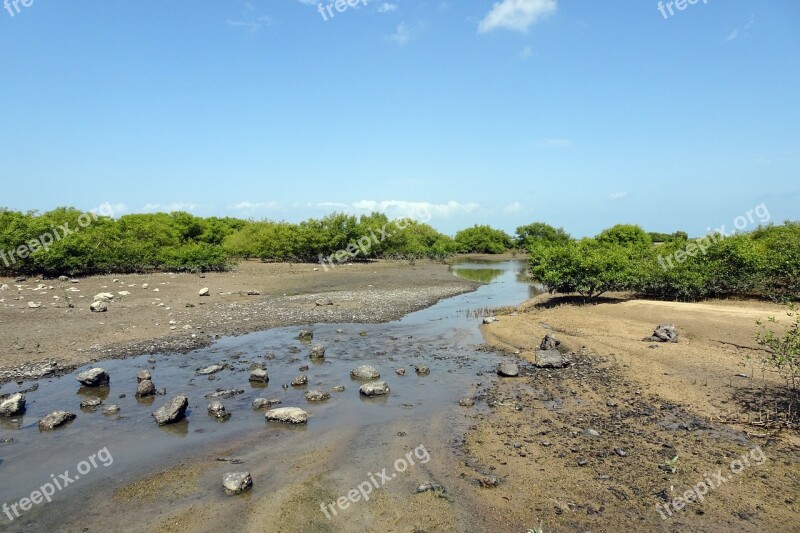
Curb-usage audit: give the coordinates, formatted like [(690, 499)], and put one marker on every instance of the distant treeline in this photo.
[(763, 263), (66, 241)]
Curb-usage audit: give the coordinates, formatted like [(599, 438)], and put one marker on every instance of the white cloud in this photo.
[(516, 15), (401, 35), (250, 26), (526, 53), (513, 207), (732, 35), (619, 195), (252, 206), (386, 7), (421, 211), (169, 208)]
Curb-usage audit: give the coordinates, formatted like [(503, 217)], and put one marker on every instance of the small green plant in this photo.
[(670, 466), (537, 529), (783, 347)]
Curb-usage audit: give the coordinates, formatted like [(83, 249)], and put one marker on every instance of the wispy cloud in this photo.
[(526, 53), (169, 208), (250, 26), (735, 33), (386, 7), (516, 15), (513, 207), (619, 195), (401, 208), (401, 35), (254, 206)]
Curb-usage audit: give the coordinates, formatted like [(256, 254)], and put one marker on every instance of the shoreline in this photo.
[(175, 319)]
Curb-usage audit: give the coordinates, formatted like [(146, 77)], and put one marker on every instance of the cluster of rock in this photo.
[(663, 333)]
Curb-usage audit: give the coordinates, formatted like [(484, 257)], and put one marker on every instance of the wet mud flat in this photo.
[(168, 478)]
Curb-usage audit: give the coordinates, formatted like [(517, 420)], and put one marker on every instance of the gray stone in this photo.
[(216, 409), (173, 411), (400, 371), (13, 405), (299, 381), (466, 402), (143, 375), (305, 334), (111, 410), (376, 388), (236, 482), (489, 320), (550, 359), (91, 403), (365, 372), (225, 393), (56, 419), (663, 333), (259, 375), (422, 370), (317, 396), (103, 297), (213, 369), (317, 351), (260, 403), (96, 377), (324, 301), (508, 370), (98, 307), (549, 342), (288, 415), (204, 292), (145, 388)]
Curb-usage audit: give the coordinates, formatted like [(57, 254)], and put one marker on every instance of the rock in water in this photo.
[(365, 372), (236, 482), (13, 405), (508, 370), (317, 396), (173, 411), (143, 375), (145, 388), (96, 377), (288, 415), (259, 375), (225, 393), (422, 370), (213, 369), (216, 409), (317, 351), (550, 359), (91, 403), (549, 342), (98, 307), (260, 403), (56, 419), (376, 388), (305, 335), (299, 381)]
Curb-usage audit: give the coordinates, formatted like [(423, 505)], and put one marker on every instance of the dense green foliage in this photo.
[(482, 240), (763, 263), (539, 232), (66, 241)]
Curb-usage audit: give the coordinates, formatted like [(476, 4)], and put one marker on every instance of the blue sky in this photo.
[(581, 114)]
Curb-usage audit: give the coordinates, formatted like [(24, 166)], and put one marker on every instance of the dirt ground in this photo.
[(170, 316), (700, 400)]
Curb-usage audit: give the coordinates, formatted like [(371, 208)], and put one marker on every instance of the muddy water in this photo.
[(444, 337)]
